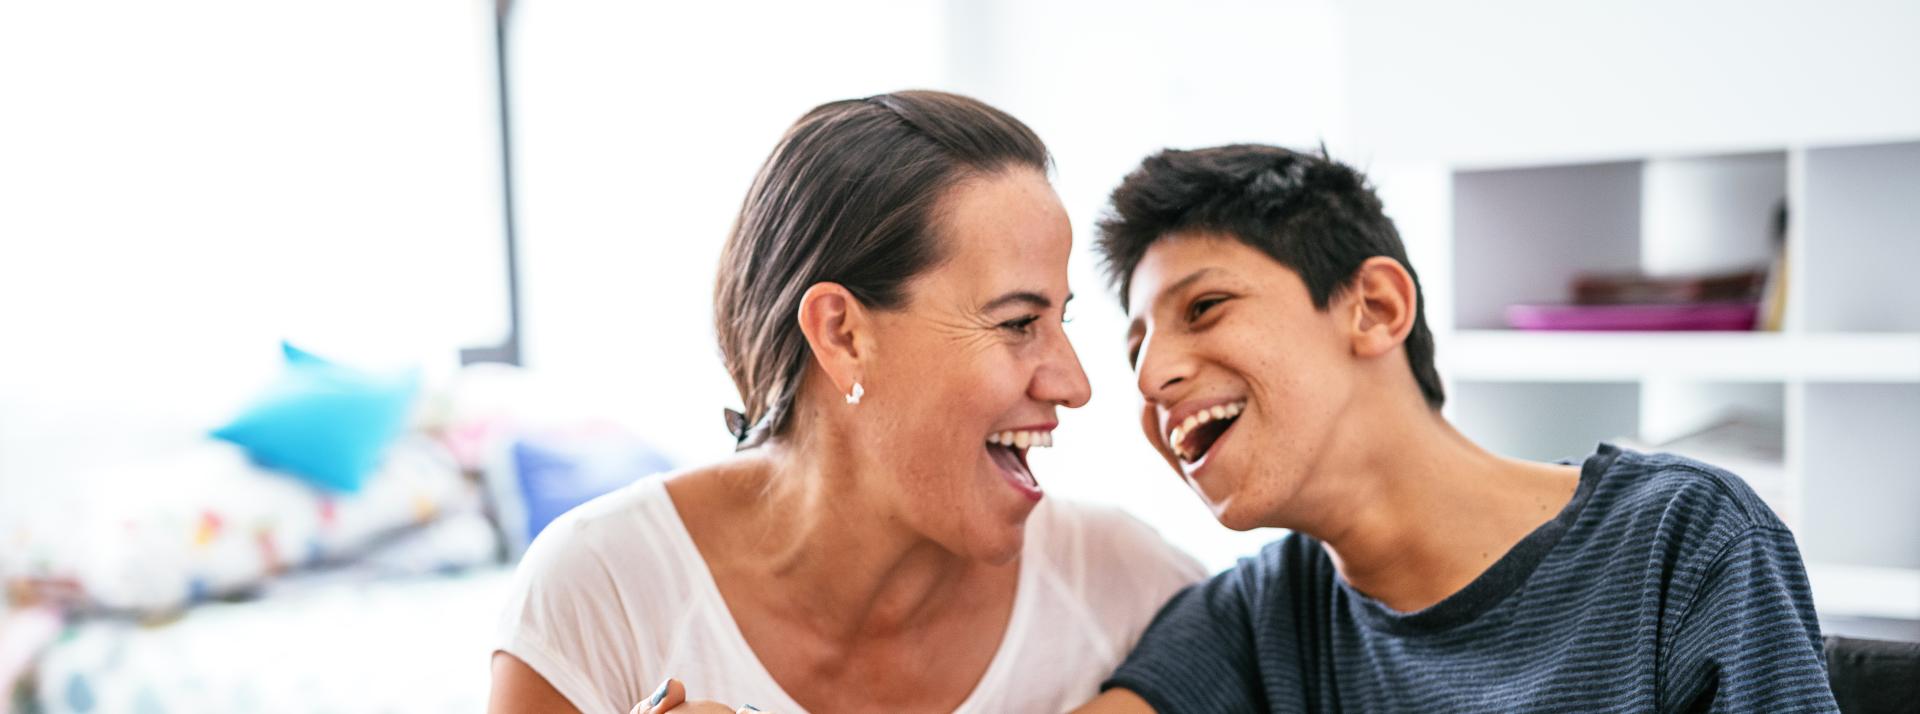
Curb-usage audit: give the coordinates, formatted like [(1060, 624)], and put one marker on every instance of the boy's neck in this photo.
[(1414, 511)]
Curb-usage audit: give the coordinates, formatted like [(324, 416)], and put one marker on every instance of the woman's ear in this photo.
[(1384, 305), (835, 325)]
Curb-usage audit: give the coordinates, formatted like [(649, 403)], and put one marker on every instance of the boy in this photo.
[(1287, 375)]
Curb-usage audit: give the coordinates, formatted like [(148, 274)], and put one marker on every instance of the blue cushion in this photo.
[(323, 422), (553, 475)]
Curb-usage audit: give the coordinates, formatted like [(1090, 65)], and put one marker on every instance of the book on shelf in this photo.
[(1733, 300)]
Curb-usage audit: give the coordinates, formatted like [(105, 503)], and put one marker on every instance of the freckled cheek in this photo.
[(953, 415)]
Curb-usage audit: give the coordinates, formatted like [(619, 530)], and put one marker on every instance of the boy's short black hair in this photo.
[(1315, 215)]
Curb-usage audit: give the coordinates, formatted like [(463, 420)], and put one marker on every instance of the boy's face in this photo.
[(1243, 381)]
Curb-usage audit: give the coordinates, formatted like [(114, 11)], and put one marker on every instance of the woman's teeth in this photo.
[(1177, 439), (1021, 439)]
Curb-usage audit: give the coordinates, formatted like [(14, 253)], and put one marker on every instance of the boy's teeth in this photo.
[(1178, 435), (1021, 439)]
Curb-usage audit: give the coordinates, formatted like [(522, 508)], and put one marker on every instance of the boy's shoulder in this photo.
[(1676, 489), (1661, 511), (1685, 509)]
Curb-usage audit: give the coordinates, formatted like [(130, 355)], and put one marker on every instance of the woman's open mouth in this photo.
[(1194, 436), (1008, 450)]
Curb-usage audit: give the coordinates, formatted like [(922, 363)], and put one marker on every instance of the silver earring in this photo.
[(854, 396)]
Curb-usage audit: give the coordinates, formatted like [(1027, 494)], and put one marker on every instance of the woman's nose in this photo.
[(1062, 380)]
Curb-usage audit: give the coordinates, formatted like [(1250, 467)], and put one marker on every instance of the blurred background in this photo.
[(434, 271)]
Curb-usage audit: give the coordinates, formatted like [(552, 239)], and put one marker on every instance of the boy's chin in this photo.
[(1238, 514), (1239, 521)]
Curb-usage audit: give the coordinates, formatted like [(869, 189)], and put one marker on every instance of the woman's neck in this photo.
[(1413, 511), (812, 527)]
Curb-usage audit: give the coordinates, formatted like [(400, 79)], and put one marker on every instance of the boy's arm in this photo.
[(1749, 641), (1116, 701), (1197, 656)]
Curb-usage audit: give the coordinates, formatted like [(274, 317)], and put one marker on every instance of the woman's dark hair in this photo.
[(1314, 215), (849, 196)]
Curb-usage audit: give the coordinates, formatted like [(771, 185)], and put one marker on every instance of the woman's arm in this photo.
[(517, 688)]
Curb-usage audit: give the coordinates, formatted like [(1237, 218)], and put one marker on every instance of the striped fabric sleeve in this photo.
[(1749, 641), (1198, 654)]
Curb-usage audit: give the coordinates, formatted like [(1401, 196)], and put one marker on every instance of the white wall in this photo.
[(1497, 81), (183, 184), (639, 129)]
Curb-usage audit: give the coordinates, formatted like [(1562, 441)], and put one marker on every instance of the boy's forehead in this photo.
[(1175, 262)]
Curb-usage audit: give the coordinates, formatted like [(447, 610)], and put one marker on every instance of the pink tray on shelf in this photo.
[(1698, 316)]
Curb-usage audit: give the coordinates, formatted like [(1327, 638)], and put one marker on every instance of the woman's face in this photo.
[(970, 373), (1244, 381)]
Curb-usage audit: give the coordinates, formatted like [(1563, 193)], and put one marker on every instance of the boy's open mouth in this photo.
[(1193, 436)]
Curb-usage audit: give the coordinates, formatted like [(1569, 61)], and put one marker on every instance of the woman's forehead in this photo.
[(1005, 233)]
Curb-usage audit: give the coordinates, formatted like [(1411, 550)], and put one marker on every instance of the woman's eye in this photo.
[(1021, 325), (1201, 306)]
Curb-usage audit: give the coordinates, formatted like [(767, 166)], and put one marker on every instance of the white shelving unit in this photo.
[(1836, 391), (1502, 355)]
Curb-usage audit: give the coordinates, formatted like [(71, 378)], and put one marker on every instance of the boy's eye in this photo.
[(1201, 306)]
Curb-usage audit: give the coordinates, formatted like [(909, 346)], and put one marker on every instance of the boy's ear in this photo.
[(835, 325), (1384, 305)]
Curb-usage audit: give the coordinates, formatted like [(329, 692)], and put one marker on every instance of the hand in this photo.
[(671, 698)]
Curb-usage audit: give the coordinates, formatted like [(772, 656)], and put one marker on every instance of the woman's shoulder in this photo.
[(643, 511), (1089, 517), (626, 543), (595, 592), (1100, 575), (1098, 548), (636, 509)]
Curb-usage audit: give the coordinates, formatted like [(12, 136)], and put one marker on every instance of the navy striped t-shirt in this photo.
[(1664, 585)]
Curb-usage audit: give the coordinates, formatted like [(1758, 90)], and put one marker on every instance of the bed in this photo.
[(195, 579), (319, 644)]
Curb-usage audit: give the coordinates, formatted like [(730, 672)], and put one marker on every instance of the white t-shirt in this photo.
[(613, 597)]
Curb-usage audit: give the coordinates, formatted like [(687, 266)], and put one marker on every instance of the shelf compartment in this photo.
[(1544, 421), (1521, 235), (1861, 226), (1859, 469), (1515, 356)]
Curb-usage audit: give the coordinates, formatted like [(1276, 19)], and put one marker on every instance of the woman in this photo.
[(889, 306), (1288, 377)]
